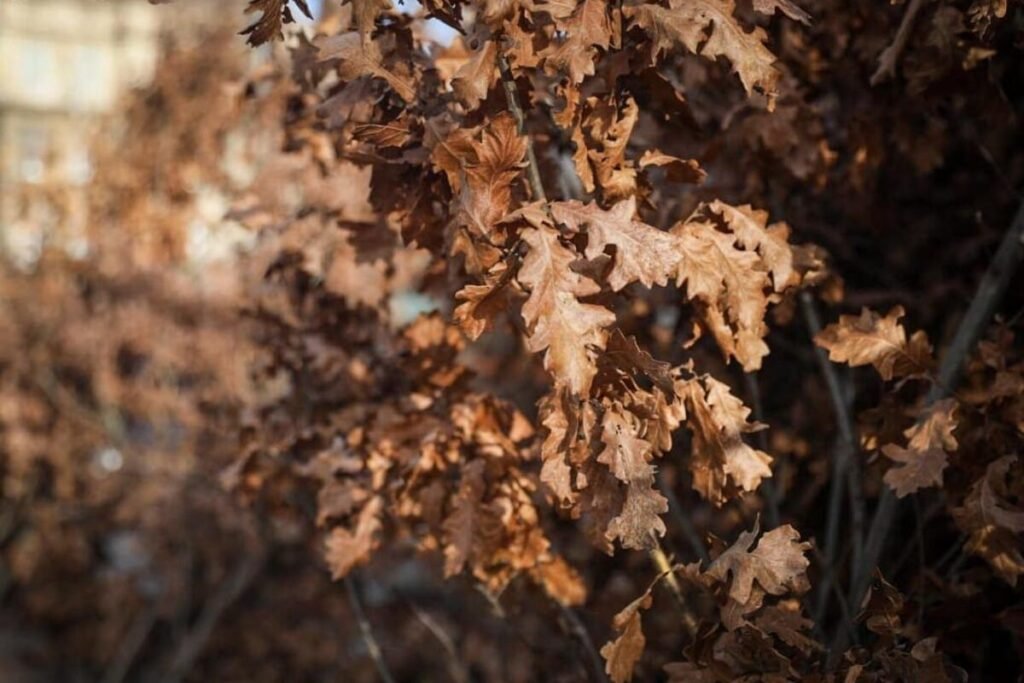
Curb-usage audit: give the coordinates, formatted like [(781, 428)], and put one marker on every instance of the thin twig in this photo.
[(846, 621), (512, 99), (990, 291), (367, 631), (579, 629), (667, 571), (664, 567), (195, 640), (909, 549), (131, 645), (951, 552), (771, 494), (890, 57), (675, 508), (845, 467), (954, 568), (919, 542), (455, 667)]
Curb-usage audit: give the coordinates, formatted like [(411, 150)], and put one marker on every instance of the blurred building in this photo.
[(63, 63)]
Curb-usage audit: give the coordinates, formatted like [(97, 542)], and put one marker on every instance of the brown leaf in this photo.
[(750, 226), (718, 421), (930, 441), (587, 29), (993, 521), (394, 134), (560, 581), (777, 564), (345, 549), (462, 526), (676, 170), (622, 654), (882, 607), (482, 303), (484, 177), (785, 621), (556, 320), (273, 15), (787, 7), (628, 457), (474, 79), (870, 339), (626, 354), (357, 57), (581, 160), (994, 498), (642, 253), (563, 428), (337, 499), (730, 283), (625, 455), (708, 28), (608, 128), (365, 13)]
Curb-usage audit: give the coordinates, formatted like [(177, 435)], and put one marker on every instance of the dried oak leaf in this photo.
[(470, 521), (608, 127), (563, 445), (787, 623), (556, 320), (993, 496), (601, 501), (708, 28), (560, 581), (474, 79), (718, 421), (365, 13), (923, 461), (482, 303), (731, 274), (625, 354), (622, 654), (993, 522), (628, 457), (588, 28), (870, 339), (395, 134), (274, 15), (481, 166), (787, 7), (642, 253), (676, 170), (358, 57), (750, 226), (777, 564), (345, 549), (881, 609)]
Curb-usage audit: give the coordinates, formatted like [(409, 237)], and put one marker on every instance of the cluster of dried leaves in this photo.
[(493, 330)]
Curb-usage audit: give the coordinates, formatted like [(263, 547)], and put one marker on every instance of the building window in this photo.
[(31, 151), (77, 165), (37, 72), (91, 77)]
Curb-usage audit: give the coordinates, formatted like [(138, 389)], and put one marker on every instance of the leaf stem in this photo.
[(512, 98)]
